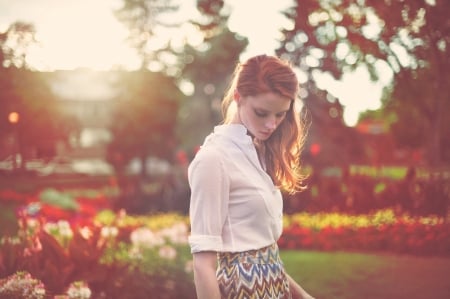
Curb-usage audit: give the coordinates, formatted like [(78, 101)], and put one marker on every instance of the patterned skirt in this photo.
[(254, 274)]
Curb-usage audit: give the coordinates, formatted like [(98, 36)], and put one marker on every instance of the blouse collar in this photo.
[(236, 132)]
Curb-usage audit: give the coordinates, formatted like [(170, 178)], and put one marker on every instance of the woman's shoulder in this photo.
[(221, 143), (206, 159), (209, 153)]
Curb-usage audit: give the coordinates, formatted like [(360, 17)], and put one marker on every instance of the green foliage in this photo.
[(59, 199), (163, 267)]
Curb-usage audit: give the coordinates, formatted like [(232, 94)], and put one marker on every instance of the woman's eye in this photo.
[(260, 114), (265, 114)]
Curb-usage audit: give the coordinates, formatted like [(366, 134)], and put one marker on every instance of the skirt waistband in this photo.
[(266, 255)]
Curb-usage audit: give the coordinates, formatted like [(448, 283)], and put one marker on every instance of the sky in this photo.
[(85, 33)]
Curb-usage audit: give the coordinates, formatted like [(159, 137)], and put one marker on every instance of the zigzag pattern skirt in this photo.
[(254, 274)]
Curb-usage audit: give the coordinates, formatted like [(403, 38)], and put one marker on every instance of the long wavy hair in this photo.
[(263, 74)]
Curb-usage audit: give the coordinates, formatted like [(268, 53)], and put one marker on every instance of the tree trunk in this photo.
[(441, 94), (143, 159), (434, 152)]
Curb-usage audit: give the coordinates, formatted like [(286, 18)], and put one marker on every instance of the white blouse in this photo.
[(234, 204)]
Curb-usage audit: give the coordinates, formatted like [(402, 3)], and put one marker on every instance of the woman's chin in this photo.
[(263, 136)]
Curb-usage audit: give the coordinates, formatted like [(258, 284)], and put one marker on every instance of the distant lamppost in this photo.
[(13, 118)]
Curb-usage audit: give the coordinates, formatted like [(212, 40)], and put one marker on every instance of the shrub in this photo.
[(114, 261)]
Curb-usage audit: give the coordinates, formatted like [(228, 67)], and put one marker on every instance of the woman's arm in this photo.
[(297, 291), (205, 266)]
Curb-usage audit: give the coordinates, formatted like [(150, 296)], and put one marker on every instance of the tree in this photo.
[(208, 67), (39, 124), (145, 18), (411, 37), (328, 136), (144, 119), (205, 65), (14, 43)]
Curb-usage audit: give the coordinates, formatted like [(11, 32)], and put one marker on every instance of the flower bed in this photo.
[(73, 245), (117, 256), (381, 231)]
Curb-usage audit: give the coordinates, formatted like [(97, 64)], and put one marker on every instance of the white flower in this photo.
[(109, 232), (167, 252), (64, 229), (79, 290), (177, 233), (61, 228), (85, 232), (144, 237), (32, 223), (39, 292), (22, 285)]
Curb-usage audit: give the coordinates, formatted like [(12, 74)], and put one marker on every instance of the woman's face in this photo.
[(262, 114)]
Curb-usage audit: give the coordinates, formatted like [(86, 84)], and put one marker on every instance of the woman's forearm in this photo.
[(206, 285), (205, 279)]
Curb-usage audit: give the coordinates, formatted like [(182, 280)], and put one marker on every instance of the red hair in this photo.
[(263, 74)]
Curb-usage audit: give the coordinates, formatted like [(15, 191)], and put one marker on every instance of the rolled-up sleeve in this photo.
[(208, 210)]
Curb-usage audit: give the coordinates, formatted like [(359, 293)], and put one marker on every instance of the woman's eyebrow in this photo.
[(268, 111)]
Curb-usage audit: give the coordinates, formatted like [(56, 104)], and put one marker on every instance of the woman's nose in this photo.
[(271, 123)]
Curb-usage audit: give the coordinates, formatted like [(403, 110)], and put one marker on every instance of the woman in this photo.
[(235, 180)]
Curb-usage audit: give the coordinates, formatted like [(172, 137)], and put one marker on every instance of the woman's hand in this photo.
[(297, 291)]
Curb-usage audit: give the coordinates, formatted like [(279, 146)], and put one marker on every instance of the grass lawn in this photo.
[(342, 275)]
